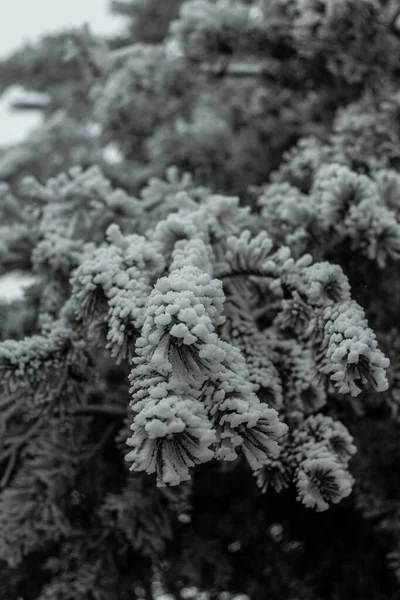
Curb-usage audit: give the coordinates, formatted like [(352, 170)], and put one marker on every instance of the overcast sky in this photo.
[(25, 21)]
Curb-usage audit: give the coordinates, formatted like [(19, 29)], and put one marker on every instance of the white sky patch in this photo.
[(15, 125), (13, 285), (112, 154), (26, 20)]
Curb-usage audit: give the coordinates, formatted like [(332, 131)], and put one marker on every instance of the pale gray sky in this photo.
[(25, 21)]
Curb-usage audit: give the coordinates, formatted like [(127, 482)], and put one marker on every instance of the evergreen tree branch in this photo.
[(97, 447), (16, 444), (238, 69)]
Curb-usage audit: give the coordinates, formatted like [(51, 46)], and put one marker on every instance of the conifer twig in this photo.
[(104, 409), (15, 443), (101, 443), (12, 452), (242, 68)]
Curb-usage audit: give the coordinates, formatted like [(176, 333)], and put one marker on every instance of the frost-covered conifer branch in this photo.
[(190, 329), (315, 457), (194, 397)]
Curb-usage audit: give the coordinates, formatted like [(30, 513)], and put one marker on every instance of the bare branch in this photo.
[(28, 105), (264, 68)]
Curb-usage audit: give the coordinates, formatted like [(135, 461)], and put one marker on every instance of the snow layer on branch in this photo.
[(177, 349), (322, 481), (181, 363), (245, 255), (26, 358), (161, 197), (375, 230), (239, 417), (301, 162), (335, 189), (210, 221), (82, 204), (322, 449), (225, 216), (192, 252), (349, 352), (170, 434), (185, 224), (324, 429), (326, 284), (205, 29), (365, 134), (315, 458), (343, 207), (57, 255), (388, 183), (178, 333), (116, 282), (350, 206), (286, 213)]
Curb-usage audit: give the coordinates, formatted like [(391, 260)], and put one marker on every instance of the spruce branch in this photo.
[(16, 444), (234, 68), (234, 311), (96, 448)]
